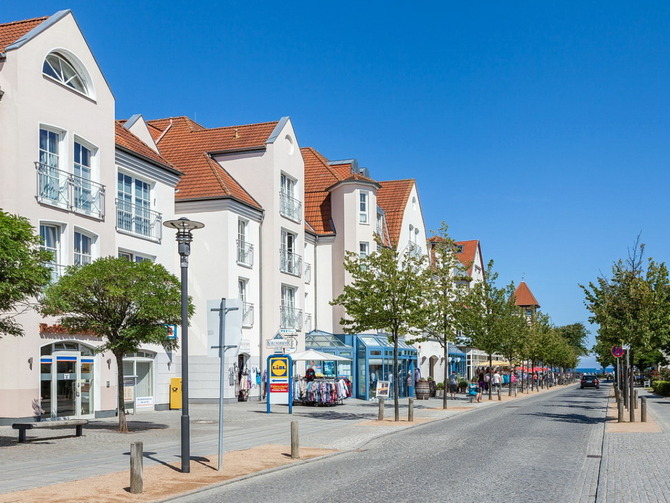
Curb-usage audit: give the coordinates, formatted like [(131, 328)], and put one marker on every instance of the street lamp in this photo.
[(184, 227)]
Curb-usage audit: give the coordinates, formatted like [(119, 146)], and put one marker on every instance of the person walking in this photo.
[(453, 384)]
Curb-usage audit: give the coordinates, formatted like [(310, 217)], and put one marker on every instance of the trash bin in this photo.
[(175, 393)]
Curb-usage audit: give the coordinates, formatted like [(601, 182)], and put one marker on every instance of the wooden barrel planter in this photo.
[(422, 390)]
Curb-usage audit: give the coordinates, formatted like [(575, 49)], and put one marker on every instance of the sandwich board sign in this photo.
[(279, 384)]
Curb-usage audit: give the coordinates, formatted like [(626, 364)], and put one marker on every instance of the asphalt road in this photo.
[(546, 448)]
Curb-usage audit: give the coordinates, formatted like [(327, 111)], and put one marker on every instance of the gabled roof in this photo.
[(523, 297), (319, 175), (468, 253), (128, 141), (392, 197), (11, 32), (189, 147)]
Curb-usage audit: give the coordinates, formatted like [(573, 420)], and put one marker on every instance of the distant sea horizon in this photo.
[(594, 370)]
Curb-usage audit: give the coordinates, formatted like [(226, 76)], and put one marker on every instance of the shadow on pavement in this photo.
[(569, 418)]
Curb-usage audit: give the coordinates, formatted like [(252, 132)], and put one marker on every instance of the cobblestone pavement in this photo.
[(634, 465)]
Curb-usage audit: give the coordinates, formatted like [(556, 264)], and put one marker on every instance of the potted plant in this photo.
[(439, 390), (462, 385)]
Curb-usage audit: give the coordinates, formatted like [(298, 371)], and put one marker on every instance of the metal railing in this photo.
[(290, 317), (59, 188), (57, 270), (290, 207), (308, 272), (138, 220), (290, 263), (247, 314), (245, 253)]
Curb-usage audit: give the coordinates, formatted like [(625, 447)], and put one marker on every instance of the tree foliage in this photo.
[(124, 303), (576, 336), (23, 270), (386, 294), (632, 307), (447, 283)]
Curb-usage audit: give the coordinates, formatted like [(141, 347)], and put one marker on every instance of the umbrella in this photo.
[(312, 354)]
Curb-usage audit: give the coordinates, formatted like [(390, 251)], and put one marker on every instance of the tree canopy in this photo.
[(24, 270), (386, 293), (125, 303)]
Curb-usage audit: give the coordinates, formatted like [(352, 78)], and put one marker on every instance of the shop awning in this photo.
[(313, 355)]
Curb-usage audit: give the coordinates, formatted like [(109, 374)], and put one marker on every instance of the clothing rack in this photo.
[(321, 391)]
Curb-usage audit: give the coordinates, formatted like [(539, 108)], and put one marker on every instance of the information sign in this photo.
[(278, 342), (279, 384), (383, 388)]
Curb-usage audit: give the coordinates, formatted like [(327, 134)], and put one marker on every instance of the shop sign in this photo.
[(383, 389), (144, 401), (279, 382)]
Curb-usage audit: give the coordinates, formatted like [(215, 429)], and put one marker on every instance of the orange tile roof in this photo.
[(392, 197), (11, 32), (523, 297), (318, 177), (188, 145), (127, 140), (468, 253)]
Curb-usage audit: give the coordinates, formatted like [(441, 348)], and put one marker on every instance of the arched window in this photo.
[(58, 67)]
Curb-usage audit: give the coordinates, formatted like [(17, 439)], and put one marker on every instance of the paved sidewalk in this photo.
[(634, 464), (53, 456)]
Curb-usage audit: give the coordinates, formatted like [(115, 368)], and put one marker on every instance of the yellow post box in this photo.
[(175, 393)]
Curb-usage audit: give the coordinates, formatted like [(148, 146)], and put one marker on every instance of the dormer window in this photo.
[(59, 68)]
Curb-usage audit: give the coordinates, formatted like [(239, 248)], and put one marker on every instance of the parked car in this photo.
[(589, 381)]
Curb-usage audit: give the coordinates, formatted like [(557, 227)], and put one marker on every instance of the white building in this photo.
[(60, 160)]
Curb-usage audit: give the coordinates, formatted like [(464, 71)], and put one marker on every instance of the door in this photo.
[(67, 386)]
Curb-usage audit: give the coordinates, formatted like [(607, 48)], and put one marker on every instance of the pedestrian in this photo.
[(453, 384), (481, 382), (496, 380)]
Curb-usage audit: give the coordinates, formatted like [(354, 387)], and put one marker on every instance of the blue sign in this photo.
[(279, 382)]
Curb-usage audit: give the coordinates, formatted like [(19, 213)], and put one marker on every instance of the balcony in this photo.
[(290, 317), (414, 250), (245, 253), (138, 221), (308, 272), (247, 314), (59, 188), (290, 207), (290, 263), (308, 323), (57, 270)]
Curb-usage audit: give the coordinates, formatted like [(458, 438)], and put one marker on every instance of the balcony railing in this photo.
[(57, 270), (290, 317), (138, 220), (245, 253), (308, 323), (247, 314), (290, 207), (308, 272), (59, 188), (290, 263), (413, 249)]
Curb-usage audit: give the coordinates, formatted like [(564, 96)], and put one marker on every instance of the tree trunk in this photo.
[(446, 372), (396, 388), (490, 377), (121, 405)]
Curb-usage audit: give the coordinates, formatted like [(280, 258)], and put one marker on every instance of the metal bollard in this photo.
[(499, 397), (410, 410), (136, 457), (620, 411), (635, 398), (643, 409), (295, 441), (380, 415)]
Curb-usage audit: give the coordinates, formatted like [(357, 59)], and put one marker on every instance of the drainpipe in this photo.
[(260, 304)]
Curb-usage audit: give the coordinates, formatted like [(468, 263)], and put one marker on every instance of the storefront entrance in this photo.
[(66, 381)]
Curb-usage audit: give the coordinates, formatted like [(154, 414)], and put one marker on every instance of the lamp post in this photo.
[(184, 227)]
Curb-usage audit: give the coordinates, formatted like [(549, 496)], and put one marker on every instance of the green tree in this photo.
[(386, 293), (488, 316), (23, 270), (632, 307), (537, 337), (576, 335), (444, 293), (124, 303)]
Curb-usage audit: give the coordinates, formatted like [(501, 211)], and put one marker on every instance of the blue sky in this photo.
[(539, 128)]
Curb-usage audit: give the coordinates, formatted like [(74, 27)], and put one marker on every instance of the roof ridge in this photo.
[(324, 160)]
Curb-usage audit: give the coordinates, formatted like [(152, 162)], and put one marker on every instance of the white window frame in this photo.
[(364, 207), (135, 257), (62, 68), (56, 265), (363, 249), (79, 257)]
